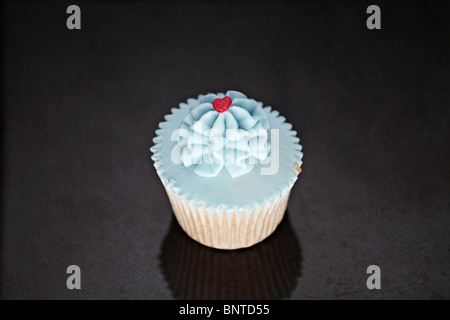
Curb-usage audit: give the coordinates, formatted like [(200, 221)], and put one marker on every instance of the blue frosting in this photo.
[(222, 192), (236, 139)]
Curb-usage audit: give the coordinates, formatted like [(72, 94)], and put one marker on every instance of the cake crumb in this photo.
[(298, 169)]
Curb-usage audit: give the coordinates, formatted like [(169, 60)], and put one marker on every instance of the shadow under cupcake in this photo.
[(268, 270)]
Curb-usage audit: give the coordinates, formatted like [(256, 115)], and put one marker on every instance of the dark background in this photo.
[(80, 108)]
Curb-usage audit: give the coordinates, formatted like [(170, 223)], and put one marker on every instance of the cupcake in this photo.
[(228, 164)]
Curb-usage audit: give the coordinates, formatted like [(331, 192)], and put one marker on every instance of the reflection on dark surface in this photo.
[(268, 270)]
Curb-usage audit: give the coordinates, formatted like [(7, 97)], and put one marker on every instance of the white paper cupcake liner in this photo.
[(225, 230)]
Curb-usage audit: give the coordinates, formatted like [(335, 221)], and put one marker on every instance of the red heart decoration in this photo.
[(222, 105)]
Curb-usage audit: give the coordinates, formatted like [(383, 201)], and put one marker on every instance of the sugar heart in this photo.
[(222, 105)]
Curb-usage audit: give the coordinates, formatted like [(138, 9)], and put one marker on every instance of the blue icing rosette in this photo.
[(224, 132)]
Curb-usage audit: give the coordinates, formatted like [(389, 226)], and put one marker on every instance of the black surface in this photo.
[(80, 109)]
